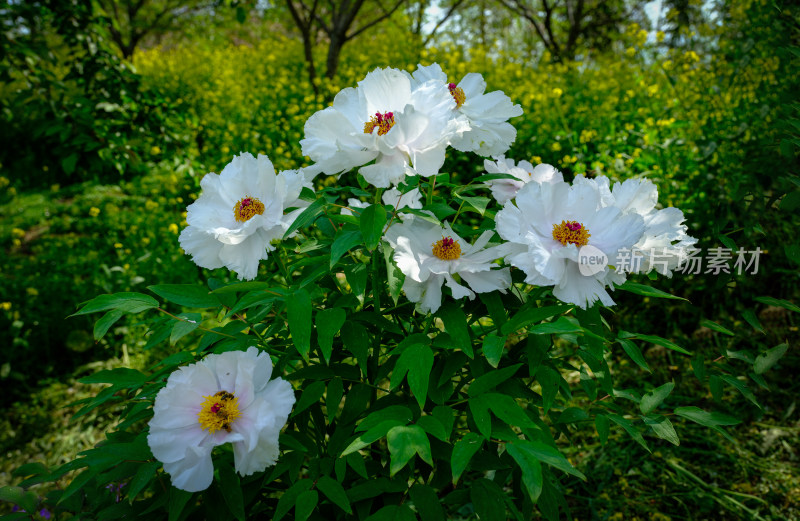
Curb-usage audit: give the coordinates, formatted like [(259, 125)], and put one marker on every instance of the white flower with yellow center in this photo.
[(430, 255), (665, 240), (227, 398), (490, 133), (548, 224), (404, 131), (240, 212), (503, 190)]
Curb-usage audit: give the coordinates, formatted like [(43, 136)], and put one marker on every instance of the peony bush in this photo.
[(401, 342)]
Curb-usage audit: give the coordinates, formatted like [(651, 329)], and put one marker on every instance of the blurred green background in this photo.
[(112, 110)]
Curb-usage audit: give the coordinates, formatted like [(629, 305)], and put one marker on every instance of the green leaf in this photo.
[(177, 502), (751, 319), (356, 340), (102, 326), (232, 491), (308, 216), (572, 415), (126, 302), (429, 506), (329, 322), (493, 346), (770, 301), (712, 420), (344, 241), (791, 201), (305, 504), (602, 425), (529, 316), (549, 379), (309, 397), (741, 387), (334, 491), (298, 311), (488, 499), (647, 291), (716, 327), (19, 496), (373, 220), (478, 204), (663, 428), (479, 408), (767, 359), (508, 410), (491, 379), (655, 340), (634, 353), (69, 162), (333, 397), (184, 327), (404, 442), (372, 435), (559, 326), (549, 455), (400, 413), (455, 324), (144, 476), (630, 429), (287, 500), (531, 470), (653, 399), (417, 361), (463, 451), (122, 377), (433, 426), (187, 295)]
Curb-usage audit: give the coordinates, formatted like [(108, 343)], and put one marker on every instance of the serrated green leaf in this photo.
[(653, 399), (767, 359)]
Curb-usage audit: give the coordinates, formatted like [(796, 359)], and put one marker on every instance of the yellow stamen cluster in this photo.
[(446, 249), (384, 122), (571, 232), (458, 94), (247, 208), (218, 412)]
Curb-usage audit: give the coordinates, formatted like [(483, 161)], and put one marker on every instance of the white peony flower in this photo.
[(490, 133), (503, 190), (548, 225), (225, 398), (430, 255), (404, 130), (665, 241), (240, 212)]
